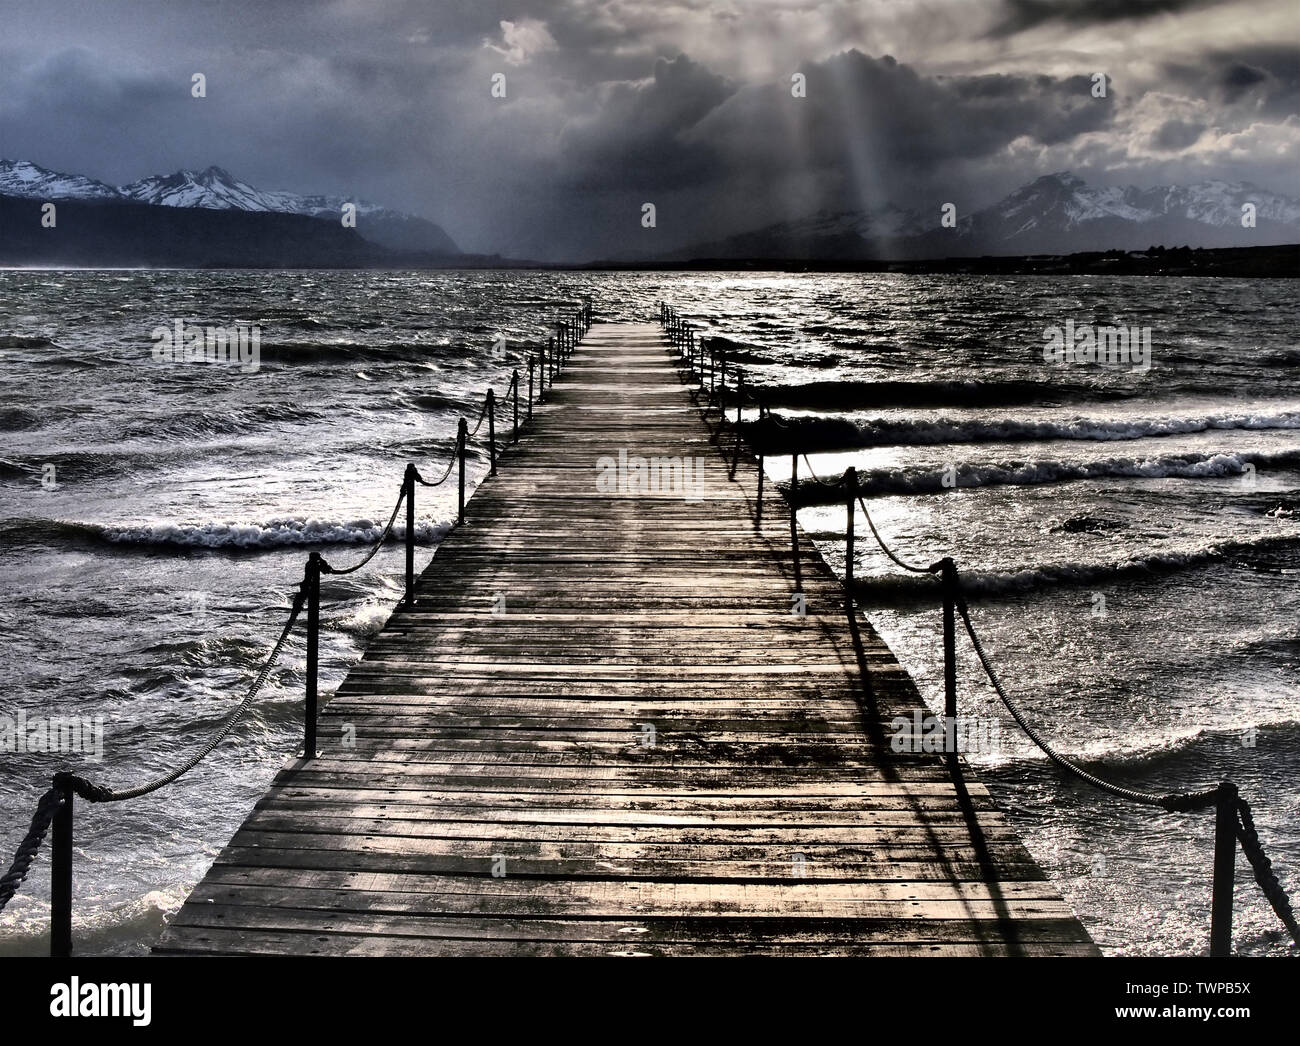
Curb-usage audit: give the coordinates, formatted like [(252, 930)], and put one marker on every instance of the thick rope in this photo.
[(933, 568), (52, 800), (482, 414), (48, 806), (830, 484), (327, 569), (1263, 869), (1179, 802), (99, 794), (438, 482)]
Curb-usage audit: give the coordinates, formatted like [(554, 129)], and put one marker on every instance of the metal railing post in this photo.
[(851, 485), (794, 521), (462, 437), (550, 359), (313, 655), (514, 384), (740, 395), (530, 386), (409, 484), (1225, 860), (492, 432), (948, 580), (61, 873)]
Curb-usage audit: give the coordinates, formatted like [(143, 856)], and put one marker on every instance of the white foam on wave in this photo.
[(1132, 751), (1090, 429), (1028, 473), (274, 533), (1082, 572)]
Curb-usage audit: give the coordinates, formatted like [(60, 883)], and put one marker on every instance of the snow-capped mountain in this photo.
[(216, 189), (1055, 214), (27, 180), (1062, 212)]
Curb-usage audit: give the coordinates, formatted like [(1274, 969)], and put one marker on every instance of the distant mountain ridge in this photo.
[(216, 189), (1056, 214)]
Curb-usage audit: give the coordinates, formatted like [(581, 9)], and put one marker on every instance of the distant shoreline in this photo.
[(1281, 261), (1269, 262)]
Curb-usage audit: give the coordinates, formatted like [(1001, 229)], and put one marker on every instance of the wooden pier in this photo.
[(603, 730)]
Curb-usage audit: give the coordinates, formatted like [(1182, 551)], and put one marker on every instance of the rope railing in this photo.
[(437, 482), (1234, 824), (55, 807)]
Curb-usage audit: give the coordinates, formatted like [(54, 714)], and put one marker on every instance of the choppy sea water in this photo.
[(1130, 535)]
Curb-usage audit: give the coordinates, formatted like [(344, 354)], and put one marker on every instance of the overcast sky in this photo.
[(683, 103)]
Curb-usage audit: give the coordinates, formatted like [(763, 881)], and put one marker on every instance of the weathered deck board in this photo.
[(767, 816)]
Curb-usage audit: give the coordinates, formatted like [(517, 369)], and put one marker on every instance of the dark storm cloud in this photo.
[(876, 121), (1264, 80), (641, 135), (1019, 15), (1239, 76), (1173, 135)]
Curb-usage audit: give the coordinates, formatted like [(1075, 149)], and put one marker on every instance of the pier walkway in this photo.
[(603, 729)]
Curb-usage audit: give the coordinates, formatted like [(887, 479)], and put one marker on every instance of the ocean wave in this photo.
[(285, 532), (736, 351), (828, 433), (912, 587), (937, 479), (1285, 358), (203, 424), (14, 418), (20, 341), (859, 394), (1127, 765), (348, 351), (436, 401), (86, 465), (18, 470)]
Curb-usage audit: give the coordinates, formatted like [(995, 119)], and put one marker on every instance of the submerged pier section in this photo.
[(604, 729)]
